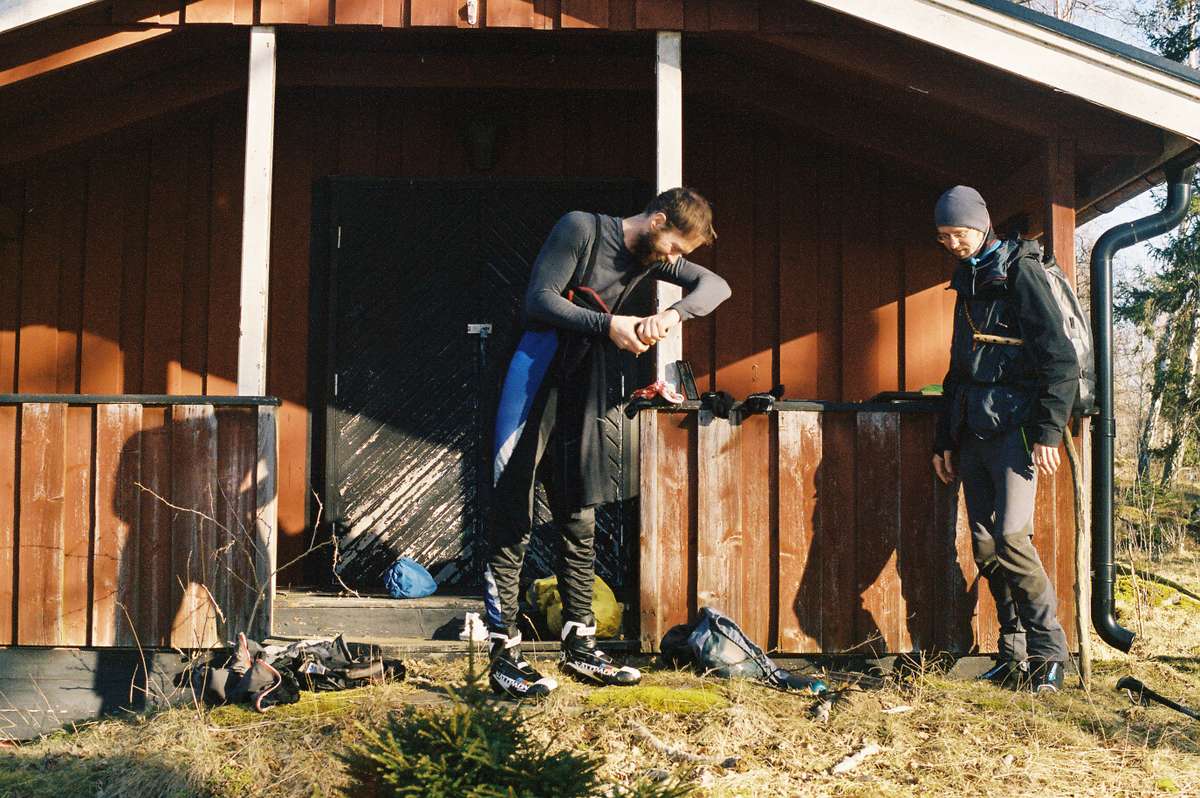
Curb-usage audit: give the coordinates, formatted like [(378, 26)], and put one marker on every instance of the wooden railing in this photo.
[(136, 520), (822, 528)]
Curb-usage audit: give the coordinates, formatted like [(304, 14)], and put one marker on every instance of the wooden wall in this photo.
[(620, 15), (119, 259), (838, 284), (823, 532), (128, 524), (119, 267)]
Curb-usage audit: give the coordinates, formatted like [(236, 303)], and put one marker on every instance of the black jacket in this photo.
[(992, 388)]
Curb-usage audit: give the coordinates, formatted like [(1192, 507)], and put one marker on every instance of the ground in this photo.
[(958, 738)]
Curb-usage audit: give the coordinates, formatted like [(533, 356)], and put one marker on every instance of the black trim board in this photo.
[(135, 399)]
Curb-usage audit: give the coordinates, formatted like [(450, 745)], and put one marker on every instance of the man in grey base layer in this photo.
[(554, 403), (1006, 399)]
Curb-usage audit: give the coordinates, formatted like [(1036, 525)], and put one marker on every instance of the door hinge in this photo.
[(339, 237), (335, 384)]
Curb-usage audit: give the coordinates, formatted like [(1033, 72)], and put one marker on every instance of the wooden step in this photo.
[(309, 614)]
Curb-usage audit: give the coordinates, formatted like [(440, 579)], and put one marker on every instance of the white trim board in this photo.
[(256, 214), (19, 13), (668, 81), (1039, 55)]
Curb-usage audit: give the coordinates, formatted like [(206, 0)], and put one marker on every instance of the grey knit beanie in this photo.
[(962, 206)]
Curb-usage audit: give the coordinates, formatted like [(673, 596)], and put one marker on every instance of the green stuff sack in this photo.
[(543, 594)]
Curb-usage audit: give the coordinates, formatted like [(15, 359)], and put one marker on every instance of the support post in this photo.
[(668, 71), (256, 214), (1059, 224)]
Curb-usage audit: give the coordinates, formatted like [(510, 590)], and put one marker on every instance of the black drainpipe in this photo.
[(1104, 432)]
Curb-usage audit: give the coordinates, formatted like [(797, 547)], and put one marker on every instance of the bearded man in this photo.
[(548, 423)]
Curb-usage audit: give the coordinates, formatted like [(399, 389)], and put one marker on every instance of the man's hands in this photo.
[(636, 335), (622, 331), (943, 464), (653, 329), (1045, 458)]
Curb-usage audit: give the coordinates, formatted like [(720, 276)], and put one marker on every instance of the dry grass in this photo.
[(959, 738)]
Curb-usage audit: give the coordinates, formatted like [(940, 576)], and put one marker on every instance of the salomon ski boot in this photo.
[(1006, 673), (1047, 678), (582, 659), (511, 674)]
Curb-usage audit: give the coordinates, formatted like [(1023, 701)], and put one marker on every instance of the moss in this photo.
[(661, 699), (310, 705), (1152, 593), (1165, 784)]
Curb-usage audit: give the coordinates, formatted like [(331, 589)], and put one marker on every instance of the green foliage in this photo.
[(475, 748), (1163, 305), (1172, 27)]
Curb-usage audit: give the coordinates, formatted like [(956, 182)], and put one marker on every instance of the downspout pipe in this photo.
[(1104, 431)]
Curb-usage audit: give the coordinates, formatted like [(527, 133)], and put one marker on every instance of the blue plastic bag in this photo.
[(407, 578)]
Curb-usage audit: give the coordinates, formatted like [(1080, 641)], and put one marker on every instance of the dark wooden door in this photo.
[(411, 391)]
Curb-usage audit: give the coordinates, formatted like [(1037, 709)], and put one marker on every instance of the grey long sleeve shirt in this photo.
[(571, 240)]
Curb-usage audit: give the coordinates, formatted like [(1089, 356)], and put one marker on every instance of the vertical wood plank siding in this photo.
[(118, 274), (873, 553), (138, 525)]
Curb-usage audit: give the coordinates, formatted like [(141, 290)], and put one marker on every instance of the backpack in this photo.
[(717, 646), (1078, 328)]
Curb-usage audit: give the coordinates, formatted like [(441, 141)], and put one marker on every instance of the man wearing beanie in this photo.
[(1006, 399)]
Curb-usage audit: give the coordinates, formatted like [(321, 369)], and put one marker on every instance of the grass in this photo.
[(959, 738)]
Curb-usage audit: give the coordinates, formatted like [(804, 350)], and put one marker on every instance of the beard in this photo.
[(645, 251)]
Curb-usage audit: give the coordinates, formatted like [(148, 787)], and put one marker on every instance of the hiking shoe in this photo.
[(581, 658), (511, 674), (1047, 678), (1006, 673)]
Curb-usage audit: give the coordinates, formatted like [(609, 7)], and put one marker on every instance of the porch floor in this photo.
[(399, 627)]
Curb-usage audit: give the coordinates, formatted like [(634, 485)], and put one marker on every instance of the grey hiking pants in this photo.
[(1000, 485)]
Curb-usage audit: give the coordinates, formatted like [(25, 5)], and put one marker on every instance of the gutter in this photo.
[(1104, 431)]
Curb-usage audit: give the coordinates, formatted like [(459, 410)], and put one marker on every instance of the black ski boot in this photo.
[(1047, 678), (511, 674), (582, 659), (1006, 673)]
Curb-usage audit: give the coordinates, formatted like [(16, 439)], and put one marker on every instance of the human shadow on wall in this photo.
[(883, 574), (186, 563)]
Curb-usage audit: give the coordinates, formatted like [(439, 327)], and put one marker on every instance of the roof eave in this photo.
[(22, 13), (1042, 55)]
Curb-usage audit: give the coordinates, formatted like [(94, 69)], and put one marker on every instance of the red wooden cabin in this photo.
[(206, 205)]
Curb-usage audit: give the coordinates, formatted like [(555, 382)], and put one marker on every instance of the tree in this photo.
[(1173, 29), (1075, 10), (1165, 307)]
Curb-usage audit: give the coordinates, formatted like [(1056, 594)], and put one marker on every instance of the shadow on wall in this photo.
[(884, 572), (185, 558)]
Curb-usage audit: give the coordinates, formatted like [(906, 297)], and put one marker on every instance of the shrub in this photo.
[(474, 748)]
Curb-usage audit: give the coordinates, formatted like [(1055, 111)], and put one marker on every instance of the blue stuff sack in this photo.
[(407, 578)]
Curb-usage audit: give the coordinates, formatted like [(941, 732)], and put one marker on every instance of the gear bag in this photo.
[(266, 676), (718, 646)]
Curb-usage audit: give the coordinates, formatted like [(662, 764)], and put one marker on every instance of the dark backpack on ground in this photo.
[(716, 645)]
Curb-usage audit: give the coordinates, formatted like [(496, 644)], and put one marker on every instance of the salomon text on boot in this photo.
[(581, 658), (511, 674)]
